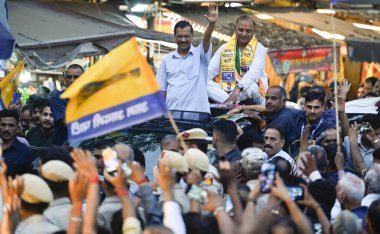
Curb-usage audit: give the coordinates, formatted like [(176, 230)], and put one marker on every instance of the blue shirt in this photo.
[(232, 156), (287, 120), (184, 79), (317, 128), (19, 159), (361, 213)]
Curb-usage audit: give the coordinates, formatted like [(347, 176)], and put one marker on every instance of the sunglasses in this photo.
[(71, 77)]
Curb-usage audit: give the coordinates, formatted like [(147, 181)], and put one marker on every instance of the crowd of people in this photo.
[(288, 172)]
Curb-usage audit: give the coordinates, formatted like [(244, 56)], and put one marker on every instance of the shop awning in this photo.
[(360, 50), (50, 34), (312, 19)]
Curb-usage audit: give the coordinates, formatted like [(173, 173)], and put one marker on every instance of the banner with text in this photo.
[(117, 92), (320, 59)]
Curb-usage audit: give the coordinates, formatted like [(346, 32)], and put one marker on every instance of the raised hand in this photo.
[(305, 138), (227, 175), (213, 13), (339, 159), (341, 103), (165, 178), (78, 187), (118, 181), (280, 191), (353, 132), (213, 201), (3, 180), (308, 200), (344, 87), (83, 162), (308, 162), (138, 175)]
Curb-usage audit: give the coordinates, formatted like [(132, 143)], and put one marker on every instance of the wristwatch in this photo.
[(241, 87), (375, 141)]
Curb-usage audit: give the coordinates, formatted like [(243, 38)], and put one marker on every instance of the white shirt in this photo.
[(367, 200), (173, 217), (367, 155), (256, 71), (36, 224), (184, 79), (109, 207), (59, 212)]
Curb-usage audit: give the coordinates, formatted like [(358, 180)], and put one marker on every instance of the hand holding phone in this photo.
[(267, 177), (111, 162), (296, 193)]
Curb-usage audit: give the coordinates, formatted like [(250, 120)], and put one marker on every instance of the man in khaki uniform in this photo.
[(57, 175), (35, 198), (177, 162)]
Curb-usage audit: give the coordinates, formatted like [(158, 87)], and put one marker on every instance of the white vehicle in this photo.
[(357, 108)]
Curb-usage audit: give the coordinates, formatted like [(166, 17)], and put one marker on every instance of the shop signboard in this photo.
[(304, 59)]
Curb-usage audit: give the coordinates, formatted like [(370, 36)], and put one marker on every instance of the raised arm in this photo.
[(357, 160), (211, 17), (280, 191)]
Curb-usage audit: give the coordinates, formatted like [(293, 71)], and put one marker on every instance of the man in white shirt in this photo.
[(240, 63), (372, 183), (182, 75), (274, 141)]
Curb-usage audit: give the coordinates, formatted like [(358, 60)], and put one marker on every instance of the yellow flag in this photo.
[(117, 92), (9, 85)]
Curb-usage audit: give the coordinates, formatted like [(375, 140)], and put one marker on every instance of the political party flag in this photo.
[(119, 91), (9, 85)]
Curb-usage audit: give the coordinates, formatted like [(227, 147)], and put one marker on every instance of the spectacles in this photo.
[(71, 77)]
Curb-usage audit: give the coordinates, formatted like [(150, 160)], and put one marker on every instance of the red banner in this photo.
[(320, 59)]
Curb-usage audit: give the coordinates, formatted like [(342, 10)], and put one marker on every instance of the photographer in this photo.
[(361, 143)]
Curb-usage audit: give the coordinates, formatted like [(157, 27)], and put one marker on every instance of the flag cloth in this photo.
[(9, 85), (117, 92)]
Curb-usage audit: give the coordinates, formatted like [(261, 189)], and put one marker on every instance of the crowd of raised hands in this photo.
[(235, 211)]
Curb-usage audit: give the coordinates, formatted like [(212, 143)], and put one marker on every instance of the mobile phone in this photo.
[(111, 162), (363, 128), (267, 176), (198, 194), (296, 193), (286, 67)]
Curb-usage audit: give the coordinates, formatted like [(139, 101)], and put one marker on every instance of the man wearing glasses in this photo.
[(182, 75), (58, 105), (70, 75)]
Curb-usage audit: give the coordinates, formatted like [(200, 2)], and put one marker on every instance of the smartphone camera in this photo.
[(197, 194), (296, 193), (111, 162), (363, 128), (267, 177)]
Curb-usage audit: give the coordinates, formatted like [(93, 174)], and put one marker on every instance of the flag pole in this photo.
[(335, 77), (175, 127)]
